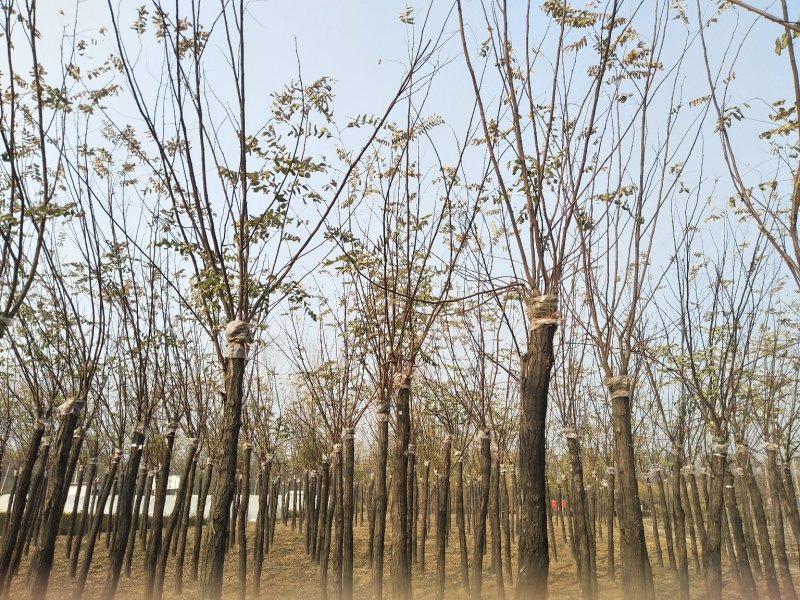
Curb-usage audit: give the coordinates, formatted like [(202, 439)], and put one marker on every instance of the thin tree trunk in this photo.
[(242, 523), (73, 517), (154, 546), (144, 479), (747, 582), (80, 582), (494, 526), (76, 544), (665, 518), (15, 516), (442, 506), (425, 499), (381, 498), (183, 531), (587, 569), (611, 570), (124, 510), (770, 574), (200, 515), (679, 520), (174, 520), (483, 507), (775, 486), (401, 560), (461, 522), (349, 506)]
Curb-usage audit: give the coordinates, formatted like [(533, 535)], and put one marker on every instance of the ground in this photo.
[(289, 574)]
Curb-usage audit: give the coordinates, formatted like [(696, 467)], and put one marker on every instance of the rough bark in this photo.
[(768, 561), (124, 510), (637, 577), (381, 499), (479, 548), (80, 582), (225, 482), (584, 553), (442, 505), (401, 559), (534, 559), (461, 522)]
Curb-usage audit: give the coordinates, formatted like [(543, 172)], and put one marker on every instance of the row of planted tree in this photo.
[(476, 509)]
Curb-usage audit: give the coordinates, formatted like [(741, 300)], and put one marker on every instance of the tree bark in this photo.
[(768, 561), (746, 580), (586, 567), (494, 526), (442, 506), (14, 517), (348, 506), (381, 498), (775, 486), (637, 577), (125, 509), (156, 536), (401, 560), (479, 547), (534, 560), (461, 522), (80, 582), (242, 523), (225, 482)]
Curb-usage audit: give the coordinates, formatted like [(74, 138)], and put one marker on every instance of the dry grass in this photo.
[(289, 574)]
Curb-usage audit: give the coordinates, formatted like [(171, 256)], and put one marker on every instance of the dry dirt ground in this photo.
[(289, 574)]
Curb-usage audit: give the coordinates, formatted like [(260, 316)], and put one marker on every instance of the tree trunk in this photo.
[(506, 521), (679, 520), (494, 526), (610, 562), (73, 517), (261, 526), (666, 520), (14, 517), (349, 506), (637, 577), (401, 560), (536, 364), (426, 497), (68, 447), (442, 506), (242, 524), (200, 515), (747, 582), (775, 485), (743, 456), (483, 507), (225, 482), (154, 546), (124, 510), (183, 529), (144, 479), (84, 519), (587, 569), (687, 508), (460, 521), (712, 551), (80, 582), (381, 498), (174, 520)]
